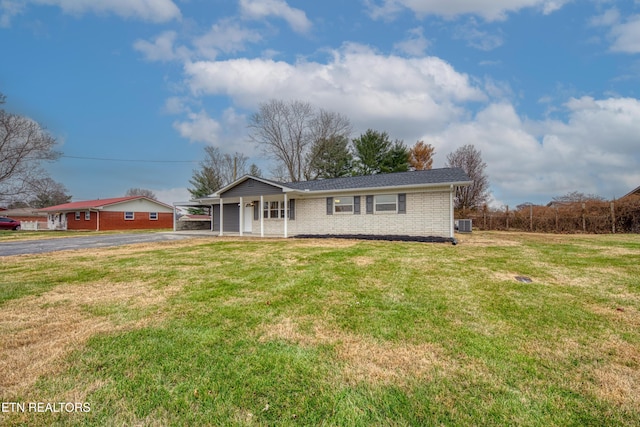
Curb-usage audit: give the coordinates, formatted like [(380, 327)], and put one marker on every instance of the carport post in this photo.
[(211, 218), (221, 219), (241, 213)]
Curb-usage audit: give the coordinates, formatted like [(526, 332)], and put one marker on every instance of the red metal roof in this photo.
[(95, 204)]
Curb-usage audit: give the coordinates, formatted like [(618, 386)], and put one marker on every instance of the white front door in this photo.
[(248, 219)]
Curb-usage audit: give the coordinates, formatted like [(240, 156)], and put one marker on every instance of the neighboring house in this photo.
[(418, 203), (122, 213), (31, 219), (635, 192)]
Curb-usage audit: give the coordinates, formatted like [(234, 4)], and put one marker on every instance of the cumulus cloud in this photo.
[(225, 36), (490, 10), (404, 94), (146, 10), (162, 48), (626, 35), (415, 45), (228, 133), (260, 9), (594, 150)]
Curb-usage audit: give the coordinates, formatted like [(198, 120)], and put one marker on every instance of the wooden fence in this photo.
[(621, 216)]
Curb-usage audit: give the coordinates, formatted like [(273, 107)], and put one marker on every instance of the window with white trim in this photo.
[(77, 217), (129, 216), (153, 216), (275, 210), (87, 216), (386, 203), (343, 204)]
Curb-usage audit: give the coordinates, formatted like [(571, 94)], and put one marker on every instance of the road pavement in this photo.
[(84, 242)]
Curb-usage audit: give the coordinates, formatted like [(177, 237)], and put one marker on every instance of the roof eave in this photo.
[(391, 187)]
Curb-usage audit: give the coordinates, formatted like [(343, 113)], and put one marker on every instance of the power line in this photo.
[(104, 159)]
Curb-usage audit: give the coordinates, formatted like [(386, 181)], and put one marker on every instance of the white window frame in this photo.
[(130, 214), (153, 216), (77, 216), (280, 210), (87, 215), (340, 205), (382, 202)]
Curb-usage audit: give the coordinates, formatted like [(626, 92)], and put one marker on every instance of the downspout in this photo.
[(451, 222)]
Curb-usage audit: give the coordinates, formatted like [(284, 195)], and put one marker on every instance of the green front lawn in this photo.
[(327, 332)]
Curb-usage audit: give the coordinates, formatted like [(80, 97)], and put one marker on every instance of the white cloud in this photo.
[(404, 95), (146, 10), (199, 127), (9, 9), (228, 133), (626, 35), (171, 195), (162, 48), (593, 151), (415, 45), (260, 9), (226, 36), (490, 10), (477, 38)]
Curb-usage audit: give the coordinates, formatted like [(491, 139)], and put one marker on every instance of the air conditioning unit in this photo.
[(464, 226)]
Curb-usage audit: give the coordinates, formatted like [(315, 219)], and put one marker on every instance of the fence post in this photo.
[(556, 209), (484, 216), (531, 218), (613, 219), (584, 221), (507, 217)]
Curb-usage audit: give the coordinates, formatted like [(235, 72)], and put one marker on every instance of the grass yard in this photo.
[(327, 332)]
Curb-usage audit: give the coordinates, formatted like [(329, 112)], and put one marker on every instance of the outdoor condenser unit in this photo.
[(464, 226)]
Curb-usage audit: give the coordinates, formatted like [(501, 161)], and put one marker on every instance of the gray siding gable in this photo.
[(252, 188)]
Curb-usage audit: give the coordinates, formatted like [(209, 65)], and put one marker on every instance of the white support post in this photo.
[(175, 219), (211, 218), (286, 217), (221, 215), (241, 216), (261, 216)]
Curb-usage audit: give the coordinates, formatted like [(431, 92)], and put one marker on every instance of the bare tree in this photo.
[(48, 192), (24, 144), (141, 192), (287, 130), (329, 132), (216, 171), (470, 160)]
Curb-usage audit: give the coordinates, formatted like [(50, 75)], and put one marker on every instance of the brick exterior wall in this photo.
[(116, 221), (427, 214)]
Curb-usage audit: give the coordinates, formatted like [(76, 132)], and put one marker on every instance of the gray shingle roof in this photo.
[(398, 179)]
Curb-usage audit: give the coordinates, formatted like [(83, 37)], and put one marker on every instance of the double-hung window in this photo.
[(343, 204), (387, 203), (129, 216), (87, 215), (77, 216), (153, 216), (273, 210)]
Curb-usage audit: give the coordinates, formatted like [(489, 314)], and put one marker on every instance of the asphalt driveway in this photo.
[(85, 242)]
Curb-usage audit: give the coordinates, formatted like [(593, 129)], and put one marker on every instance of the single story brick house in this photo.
[(121, 213), (417, 203)]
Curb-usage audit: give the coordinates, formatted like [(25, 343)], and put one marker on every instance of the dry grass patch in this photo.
[(365, 359), (38, 332)]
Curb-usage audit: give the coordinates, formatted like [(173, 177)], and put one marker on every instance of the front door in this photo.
[(248, 219)]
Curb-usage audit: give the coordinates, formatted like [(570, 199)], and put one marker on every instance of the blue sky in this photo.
[(547, 90)]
